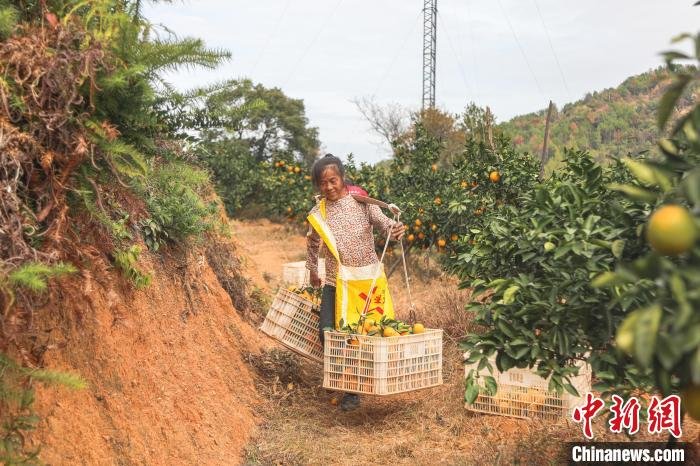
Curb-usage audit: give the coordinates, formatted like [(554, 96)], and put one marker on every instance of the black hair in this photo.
[(328, 160)]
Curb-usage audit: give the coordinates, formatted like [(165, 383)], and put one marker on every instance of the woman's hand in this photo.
[(398, 231), (314, 279)]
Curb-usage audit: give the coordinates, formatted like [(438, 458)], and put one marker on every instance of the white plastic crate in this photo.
[(296, 273), (382, 366), (524, 394), (293, 321)]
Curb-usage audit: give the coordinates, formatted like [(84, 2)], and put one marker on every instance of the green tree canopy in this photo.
[(267, 121)]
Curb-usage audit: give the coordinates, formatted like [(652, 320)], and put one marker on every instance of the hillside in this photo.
[(167, 377), (609, 123)]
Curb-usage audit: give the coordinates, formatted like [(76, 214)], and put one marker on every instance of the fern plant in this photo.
[(126, 260), (17, 417)]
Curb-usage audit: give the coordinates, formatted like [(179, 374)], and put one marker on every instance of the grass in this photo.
[(430, 426)]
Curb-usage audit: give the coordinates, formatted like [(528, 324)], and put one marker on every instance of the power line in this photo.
[(269, 36), (551, 46), (454, 52), (398, 51), (472, 49), (315, 39), (522, 51)]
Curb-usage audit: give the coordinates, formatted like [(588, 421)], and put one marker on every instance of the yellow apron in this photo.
[(353, 284)]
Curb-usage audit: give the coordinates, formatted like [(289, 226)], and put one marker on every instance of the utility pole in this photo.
[(544, 158), (429, 52)]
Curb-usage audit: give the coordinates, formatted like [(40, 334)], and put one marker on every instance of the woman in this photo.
[(351, 224)]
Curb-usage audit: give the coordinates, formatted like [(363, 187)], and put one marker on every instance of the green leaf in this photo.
[(490, 385), (691, 186), (509, 295), (625, 335), (607, 279), (618, 247), (634, 192), (666, 353), (605, 375), (504, 362), (669, 99), (674, 55), (668, 147), (571, 389), (471, 393), (648, 174), (679, 292), (645, 334)]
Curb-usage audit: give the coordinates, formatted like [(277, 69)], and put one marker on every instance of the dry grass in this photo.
[(438, 301), (423, 427), (432, 426)]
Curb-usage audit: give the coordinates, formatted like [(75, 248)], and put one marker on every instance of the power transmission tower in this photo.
[(429, 49)]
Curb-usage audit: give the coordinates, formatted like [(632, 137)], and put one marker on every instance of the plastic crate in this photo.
[(296, 273), (382, 366), (293, 322), (524, 394)]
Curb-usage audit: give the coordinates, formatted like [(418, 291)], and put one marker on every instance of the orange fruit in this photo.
[(289, 210), (297, 169), (354, 342), (433, 227), (442, 243), (454, 237), (691, 401), (438, 201), (281, 163), (389, 332), (494, 176), (418, 222), (411, 238), (418, 328), (307, 177), (334, 401), (671, 230), (433, 167), (421, 235)]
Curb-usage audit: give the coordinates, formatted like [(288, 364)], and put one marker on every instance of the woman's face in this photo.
[(331, 185)]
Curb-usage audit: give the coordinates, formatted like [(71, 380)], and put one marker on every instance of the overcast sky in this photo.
[(501, 53)]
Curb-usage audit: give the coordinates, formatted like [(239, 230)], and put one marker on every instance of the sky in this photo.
[(512, 55)]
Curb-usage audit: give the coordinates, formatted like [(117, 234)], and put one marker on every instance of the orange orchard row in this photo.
[(671, 229)]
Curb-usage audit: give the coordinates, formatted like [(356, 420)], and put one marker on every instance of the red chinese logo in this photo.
[(665, 415), (625, 415), (662, 414), (587, 412)]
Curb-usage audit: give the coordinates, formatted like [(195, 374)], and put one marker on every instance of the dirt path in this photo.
[(266, 247), (302, 425)]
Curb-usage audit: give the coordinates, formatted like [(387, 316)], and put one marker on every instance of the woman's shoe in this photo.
[(350, 401)]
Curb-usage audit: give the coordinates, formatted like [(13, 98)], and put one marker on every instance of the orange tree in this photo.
[(600, 264), (662, 333), (537, 256), (443, 202), (285, 189)]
